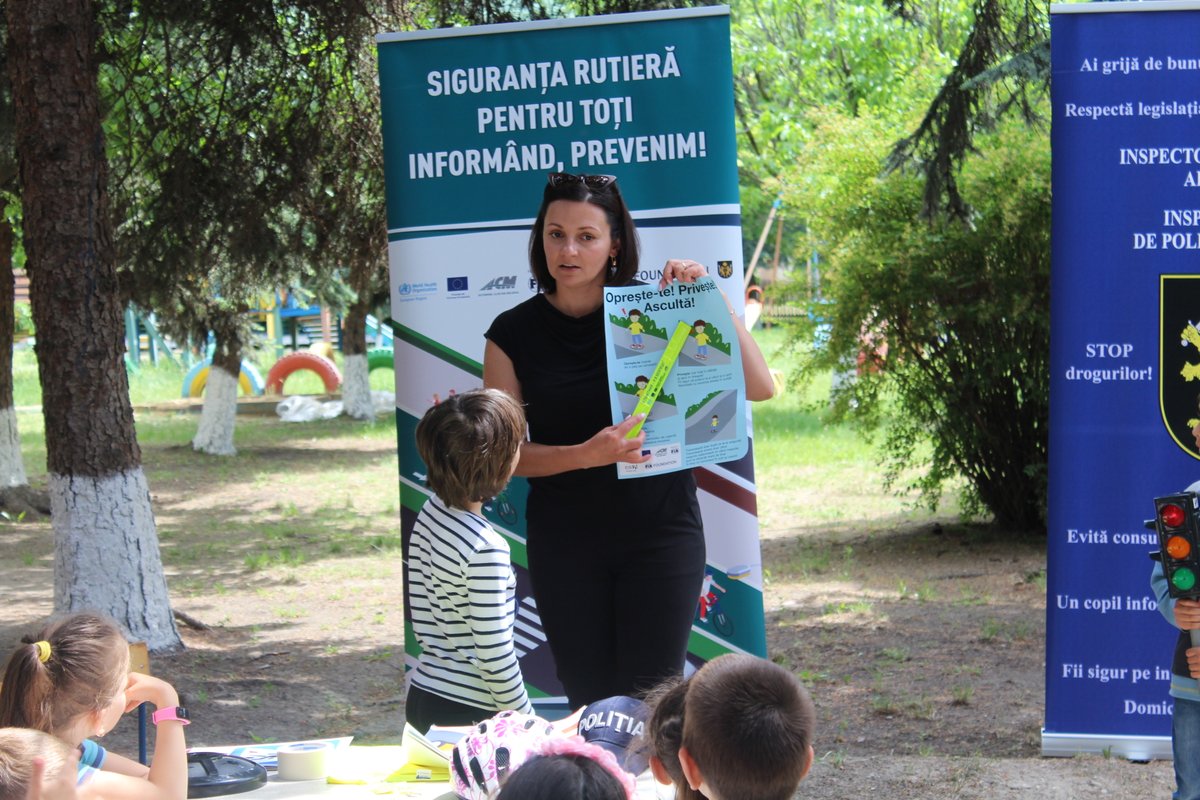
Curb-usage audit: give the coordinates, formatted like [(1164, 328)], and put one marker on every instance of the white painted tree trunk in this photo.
[(356, 388), (106, 555), (12, 468), (218, 416)]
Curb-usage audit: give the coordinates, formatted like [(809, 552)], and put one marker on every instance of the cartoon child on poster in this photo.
[(701, 339), (635, 330)]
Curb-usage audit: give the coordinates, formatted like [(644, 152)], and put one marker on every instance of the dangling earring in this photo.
[(612, 263)]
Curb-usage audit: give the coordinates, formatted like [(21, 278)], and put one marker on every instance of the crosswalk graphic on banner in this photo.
[(528, 634)]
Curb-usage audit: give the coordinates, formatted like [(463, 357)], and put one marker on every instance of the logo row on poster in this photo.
[(459, 287)]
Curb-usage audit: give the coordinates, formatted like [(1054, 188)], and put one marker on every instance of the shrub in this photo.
[(964, 310)]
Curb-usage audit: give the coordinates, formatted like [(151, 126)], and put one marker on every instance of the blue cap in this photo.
[(617, 724)]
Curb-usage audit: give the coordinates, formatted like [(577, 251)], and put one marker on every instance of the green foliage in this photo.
[(234, 134), (23, 320), (1002, 67), (962, 307), (795, 60)]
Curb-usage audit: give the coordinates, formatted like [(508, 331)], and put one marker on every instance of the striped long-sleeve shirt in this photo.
[(462, 595)]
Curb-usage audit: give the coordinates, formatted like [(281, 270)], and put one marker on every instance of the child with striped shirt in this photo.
[(461, 586)]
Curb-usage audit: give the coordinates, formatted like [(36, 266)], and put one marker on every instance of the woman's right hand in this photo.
[(611, 446)]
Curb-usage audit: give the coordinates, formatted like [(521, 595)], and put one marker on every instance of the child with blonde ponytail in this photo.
[(72, 680)]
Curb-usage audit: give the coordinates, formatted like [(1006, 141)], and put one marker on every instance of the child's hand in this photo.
[(62, 787), (1193, 659), (1187, 614), (148, 689)]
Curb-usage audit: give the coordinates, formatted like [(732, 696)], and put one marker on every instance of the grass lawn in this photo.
[(812, 472)]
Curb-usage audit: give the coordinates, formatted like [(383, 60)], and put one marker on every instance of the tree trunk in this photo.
[(356, 382), (12, 468), (106, 546), (218, 417)]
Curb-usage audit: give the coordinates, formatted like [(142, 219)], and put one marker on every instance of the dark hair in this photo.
[(621, 228), (18, 748), (561, 777), (748, 725), (665, 732), (87, 664), (468, 442)]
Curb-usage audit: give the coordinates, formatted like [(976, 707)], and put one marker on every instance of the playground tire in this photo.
[(249, 379), (381, 358), (294, 362)]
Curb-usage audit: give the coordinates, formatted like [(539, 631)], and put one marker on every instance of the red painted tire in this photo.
[(294, 362)]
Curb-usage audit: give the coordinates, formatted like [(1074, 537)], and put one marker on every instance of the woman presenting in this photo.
[(616, 565)]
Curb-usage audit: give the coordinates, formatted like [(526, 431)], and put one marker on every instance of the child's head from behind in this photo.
[(665, 735), (747, 730), (76, 665), (469, 443), (567, 768), (18, 748)]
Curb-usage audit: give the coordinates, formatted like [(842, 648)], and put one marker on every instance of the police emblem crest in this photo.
[(1179, 357), (724, 268)]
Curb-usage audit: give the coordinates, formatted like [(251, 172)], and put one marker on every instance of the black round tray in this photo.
[(215, 774)]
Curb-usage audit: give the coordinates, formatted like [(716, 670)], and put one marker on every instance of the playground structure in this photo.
[(286, 324)]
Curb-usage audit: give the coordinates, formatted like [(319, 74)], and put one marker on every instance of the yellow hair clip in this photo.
[(43, 648)]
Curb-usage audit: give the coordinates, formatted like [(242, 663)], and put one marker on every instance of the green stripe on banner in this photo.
[(411, 498), (418, 340), (517, 553), (705, 647)]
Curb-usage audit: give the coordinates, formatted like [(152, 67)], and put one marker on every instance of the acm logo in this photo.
[(503, 283)]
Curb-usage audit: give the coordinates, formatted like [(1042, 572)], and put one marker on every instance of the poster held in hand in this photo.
[(673, 354)]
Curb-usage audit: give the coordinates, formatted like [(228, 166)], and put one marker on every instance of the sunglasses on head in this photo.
[(557, 179)]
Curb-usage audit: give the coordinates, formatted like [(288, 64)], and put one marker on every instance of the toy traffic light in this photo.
[(1176, 521)]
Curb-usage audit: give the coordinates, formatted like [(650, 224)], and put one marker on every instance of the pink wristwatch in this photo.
[(171, 714)]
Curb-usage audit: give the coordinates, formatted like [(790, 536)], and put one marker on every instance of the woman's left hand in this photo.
[(682, 270)]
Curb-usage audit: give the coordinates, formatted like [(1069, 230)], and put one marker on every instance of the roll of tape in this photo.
[(305, 761)]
